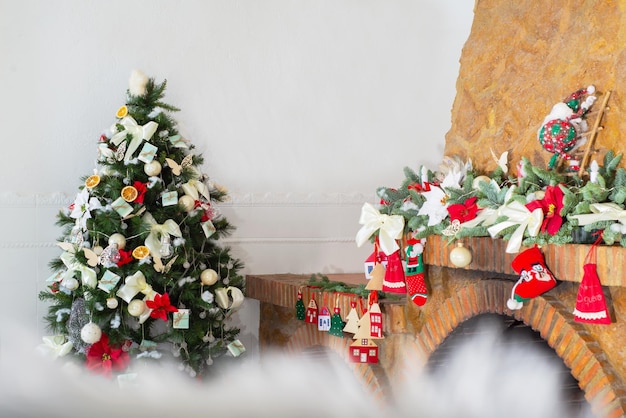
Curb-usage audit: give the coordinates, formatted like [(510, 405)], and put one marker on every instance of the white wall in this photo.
[(301, 108)]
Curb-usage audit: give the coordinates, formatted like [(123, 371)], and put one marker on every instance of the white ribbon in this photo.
[(55, 346), (87, 275), (147, 311), (602, 212), (192, 187), (390, 228), (486, 217), (517, 214), (153, 240), (137, 132), (133, 285), (222, 299)]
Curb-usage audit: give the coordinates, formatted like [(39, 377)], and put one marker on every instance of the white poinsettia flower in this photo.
[(82, 207), (436, 206)]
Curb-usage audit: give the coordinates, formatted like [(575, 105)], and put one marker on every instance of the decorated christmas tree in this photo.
[(142, 275)]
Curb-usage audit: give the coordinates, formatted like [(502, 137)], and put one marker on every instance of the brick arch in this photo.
[(308, 336), (546, 315)]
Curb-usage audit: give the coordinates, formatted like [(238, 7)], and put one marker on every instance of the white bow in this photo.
[(390, 228), (137, 132), (222, 299), (517, 214)]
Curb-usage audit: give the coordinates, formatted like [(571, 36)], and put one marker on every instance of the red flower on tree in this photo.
[(104, 359), (160, 306), (465, 211), (551, 205), (125, 257), (141, 190)]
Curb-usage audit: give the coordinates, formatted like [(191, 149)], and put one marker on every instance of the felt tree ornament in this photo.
[(562, 129), (590, 304), (336, 323), (352, 320), (300, 309), (416, 286), (535, 277)]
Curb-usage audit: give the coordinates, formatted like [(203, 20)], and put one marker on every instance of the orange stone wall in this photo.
[(520, 59)]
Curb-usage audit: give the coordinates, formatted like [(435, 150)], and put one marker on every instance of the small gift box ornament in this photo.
[(108, 281), (169, 198), (236, 348), (122, 207), (147, 153), (181, 319)]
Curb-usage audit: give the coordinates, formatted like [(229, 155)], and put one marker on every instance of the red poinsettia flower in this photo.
[(465, 211), (141, 191), (104, 359), (125, 257), (160, 306), (551, 205)]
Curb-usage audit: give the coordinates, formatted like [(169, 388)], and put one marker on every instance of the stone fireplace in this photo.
[(520, 58)]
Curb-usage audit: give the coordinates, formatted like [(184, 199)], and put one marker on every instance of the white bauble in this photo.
[(118, 239), (460, 256), (136, 307), (98, 249), (153, 168), (187, 203), (112, 303), (478, 180), (70, 283), (90, 333), (208, 277)]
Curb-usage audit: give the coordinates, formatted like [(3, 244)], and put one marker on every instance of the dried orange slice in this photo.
[(129, 193), (121, 112), (92, 181), (141, 252)]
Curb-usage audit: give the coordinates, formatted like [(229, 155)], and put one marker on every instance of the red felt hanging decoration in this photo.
[(590, 304), (394, 275)]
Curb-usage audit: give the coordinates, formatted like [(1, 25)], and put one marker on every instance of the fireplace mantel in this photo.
[(565, 261)]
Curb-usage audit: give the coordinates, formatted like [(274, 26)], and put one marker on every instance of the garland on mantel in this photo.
[(536, 206)]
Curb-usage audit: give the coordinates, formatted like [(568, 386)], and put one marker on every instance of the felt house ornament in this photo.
[(323, 319), (373, 318), (376, 257), (376, 321), (363, 349), (311, 312)]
